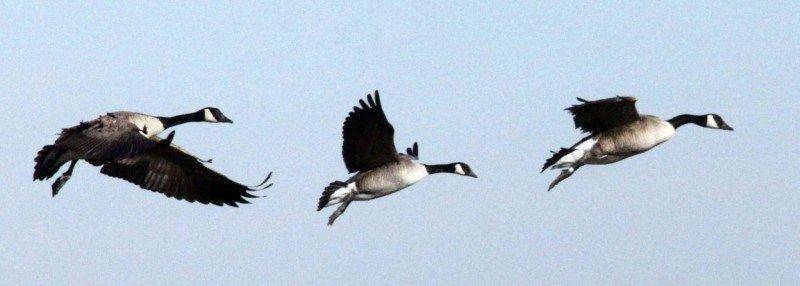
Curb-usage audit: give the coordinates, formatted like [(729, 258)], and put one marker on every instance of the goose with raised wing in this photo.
[(126, 145), (617, 131), (369, 151)]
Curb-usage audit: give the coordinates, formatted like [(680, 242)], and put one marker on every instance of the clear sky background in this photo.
[(481, 83)]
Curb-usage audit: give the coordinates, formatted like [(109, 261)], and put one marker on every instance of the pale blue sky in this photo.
[(481, 83)]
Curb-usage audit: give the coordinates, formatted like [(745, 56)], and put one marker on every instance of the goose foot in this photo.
[(339, 211), (60, 183)]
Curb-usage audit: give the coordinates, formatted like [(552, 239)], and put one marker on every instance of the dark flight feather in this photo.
[(98, 141), (368, 137), (169, 170), (604, 114)]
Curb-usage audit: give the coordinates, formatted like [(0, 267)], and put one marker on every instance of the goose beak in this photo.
[(225, 119), (471, 174), (726, 127)]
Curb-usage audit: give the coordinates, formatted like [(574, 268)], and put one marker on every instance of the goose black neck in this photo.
[(682, 119), (443, 168), (181, 119)]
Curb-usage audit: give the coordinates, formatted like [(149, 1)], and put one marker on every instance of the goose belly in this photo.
[(606, 159), (388, 180), (632, 140)]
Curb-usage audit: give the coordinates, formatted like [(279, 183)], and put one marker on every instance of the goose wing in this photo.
[(368, 137), (104, 139), (604, 114), (169, 170)]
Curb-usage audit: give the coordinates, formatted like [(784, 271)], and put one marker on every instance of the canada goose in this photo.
[(370, 151), (618, 131), (126, 145)]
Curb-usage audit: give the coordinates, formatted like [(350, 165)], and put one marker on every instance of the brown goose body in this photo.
[(126, 146), (389, 178), (369, 150), (630, 139), (617, 131)]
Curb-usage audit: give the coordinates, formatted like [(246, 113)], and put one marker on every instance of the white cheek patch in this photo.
[(460, 170), (711, 122), (208, 116)]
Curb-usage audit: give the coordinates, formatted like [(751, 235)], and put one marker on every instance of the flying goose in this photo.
[(369, 150), (617, 131), (126, 146)]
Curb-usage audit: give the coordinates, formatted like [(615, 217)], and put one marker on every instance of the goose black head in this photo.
[(212, 114), (463, 169), (715, 121)]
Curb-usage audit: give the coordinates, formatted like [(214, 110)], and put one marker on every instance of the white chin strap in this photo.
[(460, 170), (711, 122), (208, 116)]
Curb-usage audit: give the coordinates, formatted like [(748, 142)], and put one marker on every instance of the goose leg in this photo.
[(64, 178), (346, 200), (563, 176)]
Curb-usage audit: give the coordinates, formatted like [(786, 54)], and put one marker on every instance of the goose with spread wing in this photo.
[(369, 151), (617, 131), (126, 145)]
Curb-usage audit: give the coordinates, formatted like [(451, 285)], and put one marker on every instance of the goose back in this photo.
[(106, 138)]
